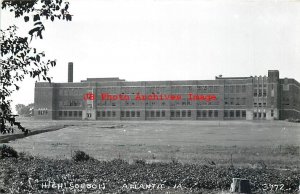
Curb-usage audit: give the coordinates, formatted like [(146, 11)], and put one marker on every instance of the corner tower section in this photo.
[(43, 101), (274, 94)]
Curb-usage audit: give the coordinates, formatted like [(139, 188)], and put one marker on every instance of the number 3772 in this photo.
[(273, 187)]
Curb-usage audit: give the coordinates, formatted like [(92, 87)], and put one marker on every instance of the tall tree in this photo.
[(19, 108), (18, 58), (25, 111)]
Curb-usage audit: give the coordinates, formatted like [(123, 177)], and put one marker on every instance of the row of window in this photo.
[(70, 113), (235, 89), (162, 113), (259, 115), (161, 89), (71, 92), (207, 113), (152, 103), (106, 113), (259, 104), (70, 103), (234, 113), (235, 101), (43, 111), (260, 93), (158, 90)]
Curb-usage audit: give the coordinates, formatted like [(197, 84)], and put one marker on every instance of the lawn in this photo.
[(245, 143)]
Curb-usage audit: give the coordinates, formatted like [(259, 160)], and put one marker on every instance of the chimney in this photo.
[(70, 72)]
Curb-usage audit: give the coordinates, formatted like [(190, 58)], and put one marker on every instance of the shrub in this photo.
[(81, 156), (140, 161), (7, 151)]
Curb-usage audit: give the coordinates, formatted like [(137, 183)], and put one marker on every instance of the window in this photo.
[(80, 113), (198, 113), (132, 113), (216, 89), (243, 88), (238, 89), (108, 113), (216, 113), (259, 115), (103, 113), (147, 113), (204, 113), (75, 113), (231, 113), (259, 104), (158, 113), (183, 113), (152, 113), (226, 100), (260, 92), (66, 103), (237, 101), (255, 92), (98, 113), (128, 113), (172, 113), (238, 113), (265, 115), (177, 113), (231, 89), (65, 113), (60, 113), (264, 92), (163, 113), (231, 101), (189, 113), (272, 113), (76, 93), (226, 89), (243, 113), (225, 113), (113, 113), (122, 113), (138, 113), (243, 101), (210, 113), (255, 115)]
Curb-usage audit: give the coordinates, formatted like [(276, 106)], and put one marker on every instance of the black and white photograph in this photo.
[(150, 96)]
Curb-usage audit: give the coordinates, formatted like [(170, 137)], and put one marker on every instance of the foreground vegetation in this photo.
[(27, 174)]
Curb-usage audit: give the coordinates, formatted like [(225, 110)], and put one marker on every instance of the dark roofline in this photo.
[(233, 77)]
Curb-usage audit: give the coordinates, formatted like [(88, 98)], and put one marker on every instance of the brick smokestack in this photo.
[(70, 72)]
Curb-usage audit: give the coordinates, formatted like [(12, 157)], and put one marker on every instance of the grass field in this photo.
[(246, 143)]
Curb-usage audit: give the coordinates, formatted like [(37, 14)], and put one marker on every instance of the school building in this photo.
[(223, 98)]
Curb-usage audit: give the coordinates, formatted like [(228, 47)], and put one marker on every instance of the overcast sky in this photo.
[(141, 40)]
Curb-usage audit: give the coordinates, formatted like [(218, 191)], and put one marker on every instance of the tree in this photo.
[(19, 108), (25, 111), (18, 58)]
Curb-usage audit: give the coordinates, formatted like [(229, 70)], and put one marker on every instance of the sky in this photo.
[(140, 40)]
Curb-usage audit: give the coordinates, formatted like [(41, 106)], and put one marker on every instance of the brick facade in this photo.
[(237, 98)]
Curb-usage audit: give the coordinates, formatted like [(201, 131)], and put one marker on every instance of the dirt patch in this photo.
[(11, 137)]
